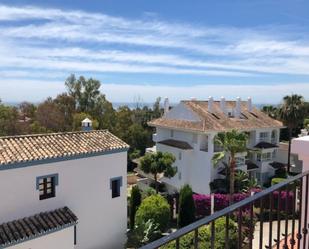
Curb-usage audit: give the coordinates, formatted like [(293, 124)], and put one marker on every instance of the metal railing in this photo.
[(290, 213)]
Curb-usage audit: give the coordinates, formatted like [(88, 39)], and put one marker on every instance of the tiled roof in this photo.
[(177, 144), (217, 120), (29, 148), (265, 145), (26, 228)]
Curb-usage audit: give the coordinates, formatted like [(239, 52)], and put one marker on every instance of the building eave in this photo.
[(24, 164)]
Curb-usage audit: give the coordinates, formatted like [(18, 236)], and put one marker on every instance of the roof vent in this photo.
[(222, 105), (249, 104), (86, 124), (210, 104), (166, 105), (238, 107)]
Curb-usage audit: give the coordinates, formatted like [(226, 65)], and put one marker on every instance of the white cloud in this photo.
[(54, 42)]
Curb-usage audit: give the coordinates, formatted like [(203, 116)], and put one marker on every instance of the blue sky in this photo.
[(143, 49)]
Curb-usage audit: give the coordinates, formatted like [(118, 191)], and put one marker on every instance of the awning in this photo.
[(265, 145), (251, 165), (277, 165), (18, 231), (177, 144)]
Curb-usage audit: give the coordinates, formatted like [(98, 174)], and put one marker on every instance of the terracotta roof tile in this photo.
[(217, 120), (29, 227), (27, 148)]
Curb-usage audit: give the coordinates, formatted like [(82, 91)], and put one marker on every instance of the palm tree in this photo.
[(231, 142), (292, 114), (270, 110)]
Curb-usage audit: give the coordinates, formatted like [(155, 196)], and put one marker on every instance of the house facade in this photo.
[(63, 190), (188, 129)]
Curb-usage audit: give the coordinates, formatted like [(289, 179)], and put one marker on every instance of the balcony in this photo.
[(280, 222)]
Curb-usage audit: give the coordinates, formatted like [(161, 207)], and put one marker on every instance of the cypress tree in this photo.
[(135, 202), (186, 213)]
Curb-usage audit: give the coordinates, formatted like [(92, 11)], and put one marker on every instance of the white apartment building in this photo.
[(63, 190), (188, 129)]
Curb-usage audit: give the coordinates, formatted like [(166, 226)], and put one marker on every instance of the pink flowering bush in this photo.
[(221, 201)]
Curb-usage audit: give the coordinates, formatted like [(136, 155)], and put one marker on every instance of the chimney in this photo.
[(86, 124), (249, 104), (166, 105), (238, 107), (222, 105), (210, 104)]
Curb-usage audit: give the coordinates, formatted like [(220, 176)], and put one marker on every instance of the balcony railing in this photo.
[(287, 220)]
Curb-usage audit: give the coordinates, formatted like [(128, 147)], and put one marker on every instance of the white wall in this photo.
[(84, 186), (181, 112), (300, 146), (63, 239), (195, 167)]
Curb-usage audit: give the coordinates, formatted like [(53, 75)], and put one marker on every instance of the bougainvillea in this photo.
[(221, 201)]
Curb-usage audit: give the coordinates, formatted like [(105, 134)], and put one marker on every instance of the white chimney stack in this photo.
[(222, 105), (249, 103), (210, 104), (86, 124), (238, 107), (166, 105)]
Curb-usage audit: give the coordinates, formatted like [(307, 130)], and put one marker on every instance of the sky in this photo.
[(142, 49)]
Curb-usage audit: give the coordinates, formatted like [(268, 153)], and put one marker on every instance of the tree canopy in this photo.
[(159, 163)]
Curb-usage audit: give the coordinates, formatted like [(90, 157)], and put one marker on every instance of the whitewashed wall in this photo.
[(182, 112), (84, 186), (300, 146), (63, 239)]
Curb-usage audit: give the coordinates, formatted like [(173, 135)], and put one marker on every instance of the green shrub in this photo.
[(277, 180), (154, 207), (143, 234), (135, 202), (187, 241), (186, 206), (148, 192)]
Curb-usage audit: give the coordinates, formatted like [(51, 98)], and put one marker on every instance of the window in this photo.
[(172, 133), (115, 184), (264, 157), (47, 186), (240, 161), (274, 137), (263, 136), (179, 156), (204, 143), (179, 175), (194, 138)]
